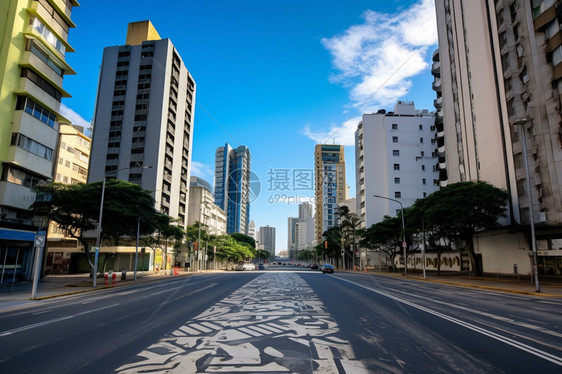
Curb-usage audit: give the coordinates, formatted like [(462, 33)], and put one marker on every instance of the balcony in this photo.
[(436, 68), (544, 13), (438, 103), (436, 85)]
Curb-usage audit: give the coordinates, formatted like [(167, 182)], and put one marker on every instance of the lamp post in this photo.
[(522, 122), (403, 229), (98, 234)]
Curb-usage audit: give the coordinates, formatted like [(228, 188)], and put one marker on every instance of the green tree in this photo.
[(462, 209), (305, 255), (241, 238), (75, 209), (385, 236)]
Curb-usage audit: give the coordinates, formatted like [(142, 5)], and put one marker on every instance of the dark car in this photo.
[(327, 268), (314, 266), (261, 267)]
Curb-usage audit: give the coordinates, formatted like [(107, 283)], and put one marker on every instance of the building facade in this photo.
[(32, 67), (72, 157), (500, 73), (330, 186), (395, 158), (232, 186), (143, 126), (202, 207), (267, 239)]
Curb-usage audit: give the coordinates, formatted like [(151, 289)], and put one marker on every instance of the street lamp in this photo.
[(98, 234), (403, 229), (522, 122)]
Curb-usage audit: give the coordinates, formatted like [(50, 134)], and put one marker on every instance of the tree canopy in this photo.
[(75, 208)]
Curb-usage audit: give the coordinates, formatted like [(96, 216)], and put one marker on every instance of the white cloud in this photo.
[(74, 117), (338, 134), (201, 170), (378, 58)]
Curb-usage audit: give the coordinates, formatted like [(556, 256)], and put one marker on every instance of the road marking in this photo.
[(275, 323), (524, 347), (44, 323)]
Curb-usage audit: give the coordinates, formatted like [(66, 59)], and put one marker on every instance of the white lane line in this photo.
[(28, 327), (524, 347), (469, 309)]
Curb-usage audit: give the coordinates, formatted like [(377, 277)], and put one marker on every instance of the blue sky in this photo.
[(276, 76)]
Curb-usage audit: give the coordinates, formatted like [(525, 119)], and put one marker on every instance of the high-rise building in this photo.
[(202, 207), (143, 127), (394, 157), (232, 186), (291, 235), (305, 210), (330, 186), (267, 239), (252, 230), (304, 234), (500, 76), (32, 67)]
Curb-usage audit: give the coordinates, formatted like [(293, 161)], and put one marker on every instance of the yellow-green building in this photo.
[(33, 46)]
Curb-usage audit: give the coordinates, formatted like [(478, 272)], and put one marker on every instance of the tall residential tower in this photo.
[(32, 67), (232, 186), (144, 118), (330, 186)]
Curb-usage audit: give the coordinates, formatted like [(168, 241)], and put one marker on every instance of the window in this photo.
[(395, 126), (32, 146), (422, 153), (421, 140), (395, 139), (396, 152), (421, 127), (425, 194), (47, 34), (397, 180), (423, 167), (396, 166), (41, 83), (36, 110), (424, 181), (398, 194)]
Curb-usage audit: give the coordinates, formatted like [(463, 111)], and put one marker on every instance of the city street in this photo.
[(272, 321)]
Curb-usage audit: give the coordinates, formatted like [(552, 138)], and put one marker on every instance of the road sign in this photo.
[(39, 241), (404, 244)]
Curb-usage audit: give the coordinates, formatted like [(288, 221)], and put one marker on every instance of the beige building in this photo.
[(32, 68), (498, 72), (72, 156), (202, 207), (330, 186)]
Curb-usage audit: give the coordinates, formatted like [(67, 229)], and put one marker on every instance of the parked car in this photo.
[(327, 268), (261, 267), (314, 266)]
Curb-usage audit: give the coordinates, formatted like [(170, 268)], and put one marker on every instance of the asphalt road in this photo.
[(285, 322)]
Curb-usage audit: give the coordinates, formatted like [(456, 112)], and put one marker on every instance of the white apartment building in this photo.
[(304, 234), (202, 207), (144, 118), (395, 158)]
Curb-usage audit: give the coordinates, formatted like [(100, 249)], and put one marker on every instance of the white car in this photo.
[(244, 266)]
